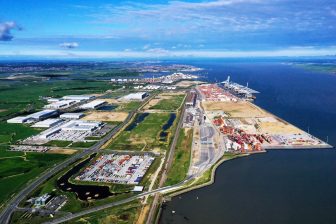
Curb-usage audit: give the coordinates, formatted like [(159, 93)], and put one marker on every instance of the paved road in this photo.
[(170, 157), (112, 204), (12, 205)]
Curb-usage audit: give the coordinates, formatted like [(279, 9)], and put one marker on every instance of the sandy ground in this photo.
[(156, 100), (62, 151), (105, 116), (3, 110), (172, 93), (186, 83), (278, 128), (268, 123), (235, 109)]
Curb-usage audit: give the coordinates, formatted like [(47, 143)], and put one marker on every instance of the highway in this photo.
[(12, 205)]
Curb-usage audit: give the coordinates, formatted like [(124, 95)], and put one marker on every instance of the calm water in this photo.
[(95, 192), (284, 186), (166, 126)]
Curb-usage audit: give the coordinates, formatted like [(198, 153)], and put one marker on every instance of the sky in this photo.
[(183, 28)]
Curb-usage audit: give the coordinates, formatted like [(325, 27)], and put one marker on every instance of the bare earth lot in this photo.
[(235, 109), (105, 116)]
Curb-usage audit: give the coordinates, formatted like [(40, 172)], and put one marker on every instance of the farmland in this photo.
[(17, 168)]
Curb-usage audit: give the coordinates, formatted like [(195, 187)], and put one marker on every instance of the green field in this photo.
[(122, 214), (144, 135), (10, 133), (18, 168), (182, 155), (171, 104), (83, 144), (130, 106), (58, 143), (30, 92)]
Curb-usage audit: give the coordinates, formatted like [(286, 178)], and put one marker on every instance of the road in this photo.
[(12, 205), (112, 204), (170, 157)]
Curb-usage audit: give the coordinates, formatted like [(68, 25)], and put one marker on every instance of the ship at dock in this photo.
[(243, 92)]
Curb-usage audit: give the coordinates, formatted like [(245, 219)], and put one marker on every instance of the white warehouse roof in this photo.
[(78, 97), (93, 104), (47, 123), (72, 115)]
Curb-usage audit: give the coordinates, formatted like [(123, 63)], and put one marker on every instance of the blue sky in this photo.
[(213, 28)]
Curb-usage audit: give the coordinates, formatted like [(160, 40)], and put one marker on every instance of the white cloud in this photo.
[(69, 45), (159, 52)]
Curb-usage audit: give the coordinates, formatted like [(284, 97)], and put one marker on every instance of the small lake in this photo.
[(109, 107), (166, 126), (83, 192), (138, 119)]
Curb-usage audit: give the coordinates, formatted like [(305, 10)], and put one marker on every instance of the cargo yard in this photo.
[(120, 169), (246, 127)]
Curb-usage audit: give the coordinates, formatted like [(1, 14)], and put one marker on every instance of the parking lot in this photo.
[(121, 169)]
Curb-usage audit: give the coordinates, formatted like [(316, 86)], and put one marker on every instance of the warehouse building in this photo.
[(38, 116), (48, 123), (136, 96), (78, 97), (94, 104), (41, 115), (18, 120), (71, 130), (71, 116), (60, 104)]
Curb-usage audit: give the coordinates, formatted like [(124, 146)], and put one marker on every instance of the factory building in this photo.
[(60, 104), (136, 96), (78, 97), (71, 116), (94, 104), (41, 115), (18, 120), (78, 125), (48, 123), (74, 126), (38, 116)]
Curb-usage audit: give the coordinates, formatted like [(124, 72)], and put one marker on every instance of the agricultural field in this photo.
[(18, 168), (30, 93), (10, 133), (145, 135), (182, 156)]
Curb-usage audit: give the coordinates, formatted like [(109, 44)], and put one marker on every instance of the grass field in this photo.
[(129, 106), (180, 166), (144, 135), (173, 103), (10, 133), (58, 143), (30, 93), (17, 168), (83, 144), (122, 214)]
